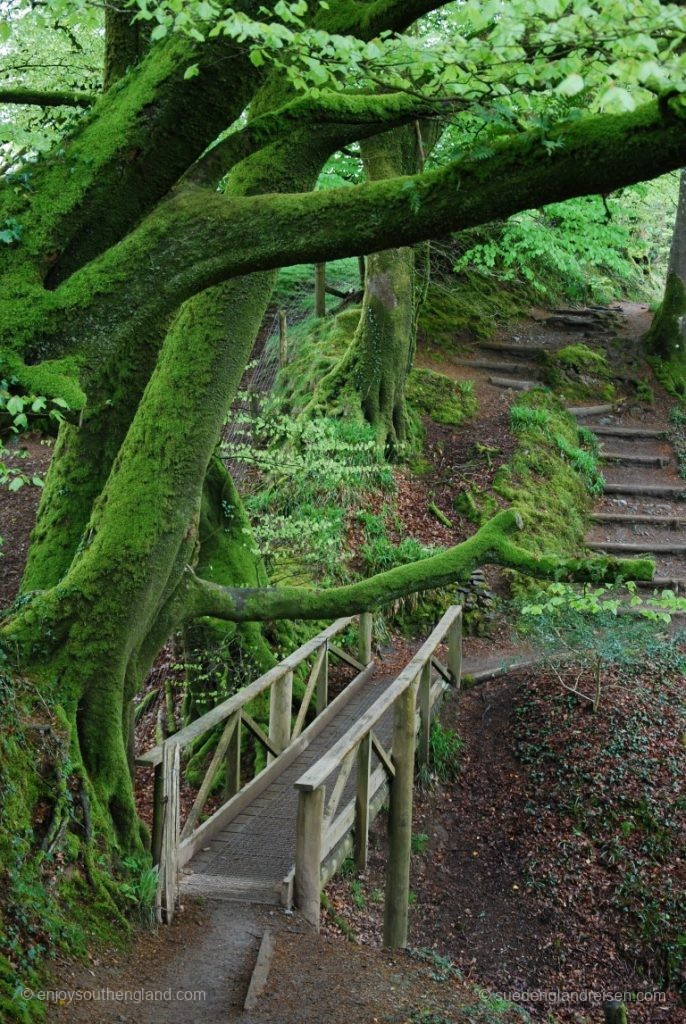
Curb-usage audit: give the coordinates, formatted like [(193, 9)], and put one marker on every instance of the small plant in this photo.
[(420, 841), (141, 888), (358, 894), (584, 462), (445, 746), (582, 628)]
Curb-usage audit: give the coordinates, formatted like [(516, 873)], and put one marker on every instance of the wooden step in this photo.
[(648, 490), (514, 385), (635, 460), (489, 364), (621, 518), (589, 410), (644, 548), (631, 432)]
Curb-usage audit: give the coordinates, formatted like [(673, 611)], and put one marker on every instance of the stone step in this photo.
[(644, 548), (494, 366), (511, 383), (525, 351), (636, 460), (635, 519), (631, 432), (664, 583), (648, 490), (589, 410)]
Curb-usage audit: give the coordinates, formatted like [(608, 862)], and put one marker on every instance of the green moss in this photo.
[(579, 372), (543, 480), (57, 378), (441, 398), (665, 339), (464, 308), (672, 375)]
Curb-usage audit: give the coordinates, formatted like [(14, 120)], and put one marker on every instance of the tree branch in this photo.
[(47, 98), (348, 117), (201, 238), (489, 545)]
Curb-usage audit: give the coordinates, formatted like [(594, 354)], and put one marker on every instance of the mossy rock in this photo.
[(441, 398), (578, 371)]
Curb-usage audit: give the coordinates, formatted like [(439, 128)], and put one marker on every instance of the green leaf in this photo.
[(571, 85), (616, 98), (191, 71)]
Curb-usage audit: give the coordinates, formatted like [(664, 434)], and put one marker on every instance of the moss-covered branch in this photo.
[(202, 238), (355, 116), (492, 544), (47, 97)]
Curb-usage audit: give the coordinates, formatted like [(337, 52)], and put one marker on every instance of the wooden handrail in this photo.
[(320, 771), (228, 707)]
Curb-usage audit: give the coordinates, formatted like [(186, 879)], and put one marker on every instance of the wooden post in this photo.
[(169, 860), (423, 745), (365, 638), (232, 782), (615, 1012), (455, 650), (362, 266), (400, 820), (308, 854), (280, 707), (320, 289), (322, 691), (364, 764), (283, 338), (157, 814)]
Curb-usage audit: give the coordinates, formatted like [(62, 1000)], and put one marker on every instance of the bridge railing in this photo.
[(320, 828), (174, 842)]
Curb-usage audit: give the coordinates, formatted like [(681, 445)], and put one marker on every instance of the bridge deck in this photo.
[(249, 858)]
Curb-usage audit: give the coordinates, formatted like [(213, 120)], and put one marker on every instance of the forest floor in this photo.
[(509, 896)]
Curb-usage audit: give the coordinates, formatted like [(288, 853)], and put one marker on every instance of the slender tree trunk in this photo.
[(667, 335), (371, 376)]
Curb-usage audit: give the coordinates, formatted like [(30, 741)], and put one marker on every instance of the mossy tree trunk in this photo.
[(135, 292), (667, 335), (372, 374)]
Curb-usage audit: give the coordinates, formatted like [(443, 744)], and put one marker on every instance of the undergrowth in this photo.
[(606, 799)]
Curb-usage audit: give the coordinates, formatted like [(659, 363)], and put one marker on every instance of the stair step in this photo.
[(526, 351), (648, 490), (632, 432), (644, 548), (489, 364), (672, 522), (663, 583), (636, 460), (589, 410), (515, 385)]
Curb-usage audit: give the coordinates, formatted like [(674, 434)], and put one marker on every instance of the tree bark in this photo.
[(667, 335)]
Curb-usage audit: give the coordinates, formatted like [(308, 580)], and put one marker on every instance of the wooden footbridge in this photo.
[(331, 765)]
